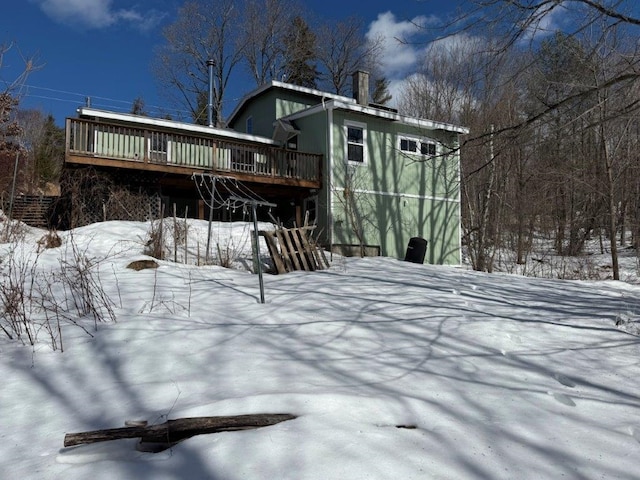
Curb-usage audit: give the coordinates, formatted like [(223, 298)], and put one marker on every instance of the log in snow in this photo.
[(173, 431)]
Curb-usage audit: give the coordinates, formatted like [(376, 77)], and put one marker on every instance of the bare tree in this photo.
[(12, 149), (456, 85), (564, 117), (343, 49), (44, 151), (521, 24), (204, 30), (450, 81), (265, 23)]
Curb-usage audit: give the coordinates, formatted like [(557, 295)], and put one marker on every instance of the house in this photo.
[(370, 178), (386, 177)]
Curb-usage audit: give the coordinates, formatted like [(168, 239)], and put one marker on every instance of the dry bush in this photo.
[(232, 249), (34, 302), (51, 239), (156, 243), (11, 231)]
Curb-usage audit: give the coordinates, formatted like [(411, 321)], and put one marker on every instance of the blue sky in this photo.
[(103, 49)]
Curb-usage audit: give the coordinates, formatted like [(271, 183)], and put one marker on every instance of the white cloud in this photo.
[(402, 42), (90, 14), (548, 20)]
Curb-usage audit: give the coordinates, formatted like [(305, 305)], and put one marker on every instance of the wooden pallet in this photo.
[(291, 249)]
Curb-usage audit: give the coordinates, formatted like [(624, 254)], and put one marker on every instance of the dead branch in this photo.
[(179, 429)]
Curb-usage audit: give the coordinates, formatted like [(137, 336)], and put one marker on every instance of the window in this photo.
[(250, 125), (428, 148), (417, 146), (292, 143), (356, 141), (407, 145)]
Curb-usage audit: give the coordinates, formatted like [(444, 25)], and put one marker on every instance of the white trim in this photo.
[(170, 124), (376, 112), (407, 195), (284, 86), (363, 127), (330, 176), (419, 141)]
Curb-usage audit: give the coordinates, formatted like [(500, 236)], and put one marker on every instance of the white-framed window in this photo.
[(356, 145), (249, 125), (417, 146)]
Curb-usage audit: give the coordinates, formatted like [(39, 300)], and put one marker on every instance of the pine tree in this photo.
[(138, 108), (300, 55), (381, 94), (49, 152)]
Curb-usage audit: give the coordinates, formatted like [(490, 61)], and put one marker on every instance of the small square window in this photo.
[(428, 148), (355, 153), (407, 145), (354, 135)]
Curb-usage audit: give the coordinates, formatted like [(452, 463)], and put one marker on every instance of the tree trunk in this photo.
[(175, 430)]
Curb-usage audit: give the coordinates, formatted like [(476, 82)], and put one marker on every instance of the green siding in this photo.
[(394, 196), (263, 112), (268, 107), (391, 198)]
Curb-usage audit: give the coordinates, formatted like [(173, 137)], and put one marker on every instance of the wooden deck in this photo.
[(114, 145)]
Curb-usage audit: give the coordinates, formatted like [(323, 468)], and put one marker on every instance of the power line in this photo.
[(107, 103)]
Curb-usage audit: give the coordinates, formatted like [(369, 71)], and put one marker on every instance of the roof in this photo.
[(285, 86), (172, 125), (379, 113), (331, 100)]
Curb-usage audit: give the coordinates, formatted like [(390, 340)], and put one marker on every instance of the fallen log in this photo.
[(173, 431)]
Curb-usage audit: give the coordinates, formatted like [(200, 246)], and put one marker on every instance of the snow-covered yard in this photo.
[(394, 370)]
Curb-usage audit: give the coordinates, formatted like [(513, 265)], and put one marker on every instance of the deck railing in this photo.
[(118, 142)]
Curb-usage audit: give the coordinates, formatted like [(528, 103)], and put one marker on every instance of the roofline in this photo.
[(376, 112), (171, 124), (286, 86)]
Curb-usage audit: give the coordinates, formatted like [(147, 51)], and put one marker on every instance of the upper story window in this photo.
[(250, 125), (418, 146), (356, 142)]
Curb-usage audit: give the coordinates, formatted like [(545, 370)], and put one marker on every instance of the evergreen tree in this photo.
[(300, 55), (49, 152), (137, 108), (381, 94)]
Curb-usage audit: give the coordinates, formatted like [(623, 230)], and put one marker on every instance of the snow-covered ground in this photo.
[(497, 376)]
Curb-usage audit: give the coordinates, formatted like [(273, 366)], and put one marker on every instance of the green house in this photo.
[(386, 177)]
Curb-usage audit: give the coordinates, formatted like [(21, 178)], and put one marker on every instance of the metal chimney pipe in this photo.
[(210, 64)]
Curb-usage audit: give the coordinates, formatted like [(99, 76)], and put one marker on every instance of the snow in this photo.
[(395, 370)]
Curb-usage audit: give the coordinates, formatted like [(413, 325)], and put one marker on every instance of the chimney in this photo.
[(361, 87)]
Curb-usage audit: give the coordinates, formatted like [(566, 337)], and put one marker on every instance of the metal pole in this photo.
[(257, 250), (210, 64), (213, 191), (13, 186)]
